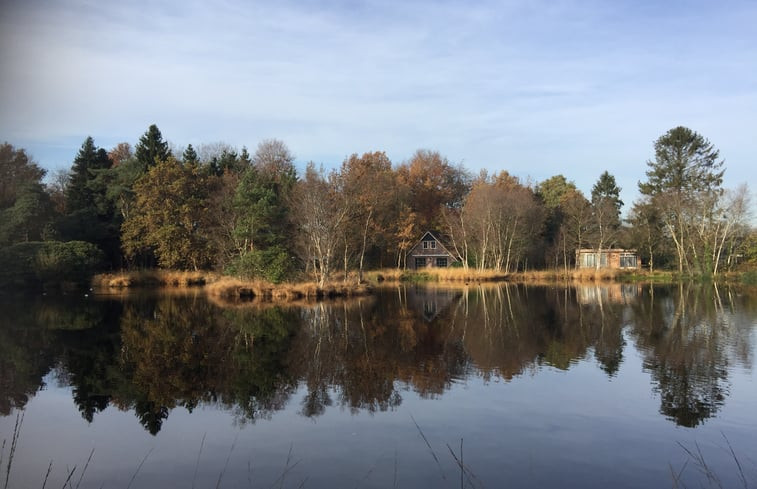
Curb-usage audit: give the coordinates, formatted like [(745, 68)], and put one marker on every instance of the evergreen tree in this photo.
[(190, 156), (606, 190), (605, 213), (80, 195), (151, 148), (244, 157), (685, 162), (684, 183)]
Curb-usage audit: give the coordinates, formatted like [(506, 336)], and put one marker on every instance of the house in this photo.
[(430, 251), (616, 258)]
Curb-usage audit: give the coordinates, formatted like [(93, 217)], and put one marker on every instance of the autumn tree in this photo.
[(433, 184), (576, 224), (368, 184), (498, 223), (29, 216), (25, 207), (647, 232), (16, 170), (168, 217), (555, 193), (120, 153), (272, 156), (319, 214)]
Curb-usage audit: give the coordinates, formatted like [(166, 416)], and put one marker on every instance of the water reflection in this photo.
[(151, 354)]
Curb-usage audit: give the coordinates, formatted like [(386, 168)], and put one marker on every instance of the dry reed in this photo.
[(153, 278), (230, 288)]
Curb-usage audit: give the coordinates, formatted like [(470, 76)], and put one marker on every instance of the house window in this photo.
[(627, 260), (589, 260), (441, 262), (429, 245), (420, 263)]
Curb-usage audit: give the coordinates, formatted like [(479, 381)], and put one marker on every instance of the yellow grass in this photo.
[(457, 275), (436, 275), (138, 278), (235, 289)]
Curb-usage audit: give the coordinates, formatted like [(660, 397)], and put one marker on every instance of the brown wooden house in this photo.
[(430, 252), (616, 258)]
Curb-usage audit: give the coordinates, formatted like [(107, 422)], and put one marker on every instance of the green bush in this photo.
[(45, 264), (273, 264)]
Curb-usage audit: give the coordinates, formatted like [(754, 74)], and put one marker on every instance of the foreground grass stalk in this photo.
[(197, 464), (433, 453), (131, 481), (14, 444)]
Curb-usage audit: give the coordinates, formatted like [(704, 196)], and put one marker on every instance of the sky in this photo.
[(534, 87)]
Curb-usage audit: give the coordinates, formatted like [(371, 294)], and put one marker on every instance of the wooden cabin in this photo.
[(615, 258), (430, 252)]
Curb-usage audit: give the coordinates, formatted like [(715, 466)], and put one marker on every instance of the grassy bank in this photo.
[(229, 289), (154, 278), (460, 275)]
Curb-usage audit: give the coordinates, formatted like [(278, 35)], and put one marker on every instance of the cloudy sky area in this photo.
[(534, 87)]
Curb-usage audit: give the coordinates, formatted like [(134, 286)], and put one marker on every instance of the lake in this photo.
[(416, 386)]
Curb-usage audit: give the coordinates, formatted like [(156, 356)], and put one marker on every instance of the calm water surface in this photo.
[(522, 386)]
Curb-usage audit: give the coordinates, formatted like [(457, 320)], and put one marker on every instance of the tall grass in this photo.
[(236, 289), (147, 278)]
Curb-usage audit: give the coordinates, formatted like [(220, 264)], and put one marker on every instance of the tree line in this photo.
[(254, 215)]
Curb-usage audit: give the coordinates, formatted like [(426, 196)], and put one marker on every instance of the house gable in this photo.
[(430, 251)]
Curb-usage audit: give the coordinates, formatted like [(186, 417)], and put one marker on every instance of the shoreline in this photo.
[(226, 288), (234, 290)]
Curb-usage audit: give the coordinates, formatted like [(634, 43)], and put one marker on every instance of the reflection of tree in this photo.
[(363, 348), (510, 329), (152, 354), (34, 333), (183, 352), (689, 339)]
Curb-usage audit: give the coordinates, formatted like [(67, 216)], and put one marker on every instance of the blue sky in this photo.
[(537, 88)]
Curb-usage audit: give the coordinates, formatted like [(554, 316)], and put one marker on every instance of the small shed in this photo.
[(616, 258), (430, 252)]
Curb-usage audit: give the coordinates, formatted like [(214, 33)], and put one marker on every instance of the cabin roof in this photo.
[(439, 238)]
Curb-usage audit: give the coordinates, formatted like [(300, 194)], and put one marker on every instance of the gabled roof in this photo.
[(439, 238)]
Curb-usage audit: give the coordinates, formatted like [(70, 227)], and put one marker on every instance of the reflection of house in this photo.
[(607, 293), (430, 302), (430, 251), (610, 258)]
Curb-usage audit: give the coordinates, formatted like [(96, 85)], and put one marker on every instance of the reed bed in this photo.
[(436, 275), (461, 275), (231, 288), (154, 278)]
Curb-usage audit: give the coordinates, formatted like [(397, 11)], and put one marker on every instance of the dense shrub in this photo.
[(273, 264), (48, 264)]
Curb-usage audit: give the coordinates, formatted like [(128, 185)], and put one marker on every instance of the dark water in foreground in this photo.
[(524, 386)]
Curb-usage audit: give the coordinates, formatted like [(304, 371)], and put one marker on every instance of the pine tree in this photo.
[(151, 148), (80, 195), (607, 190), (190, 156), (684, 184)]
